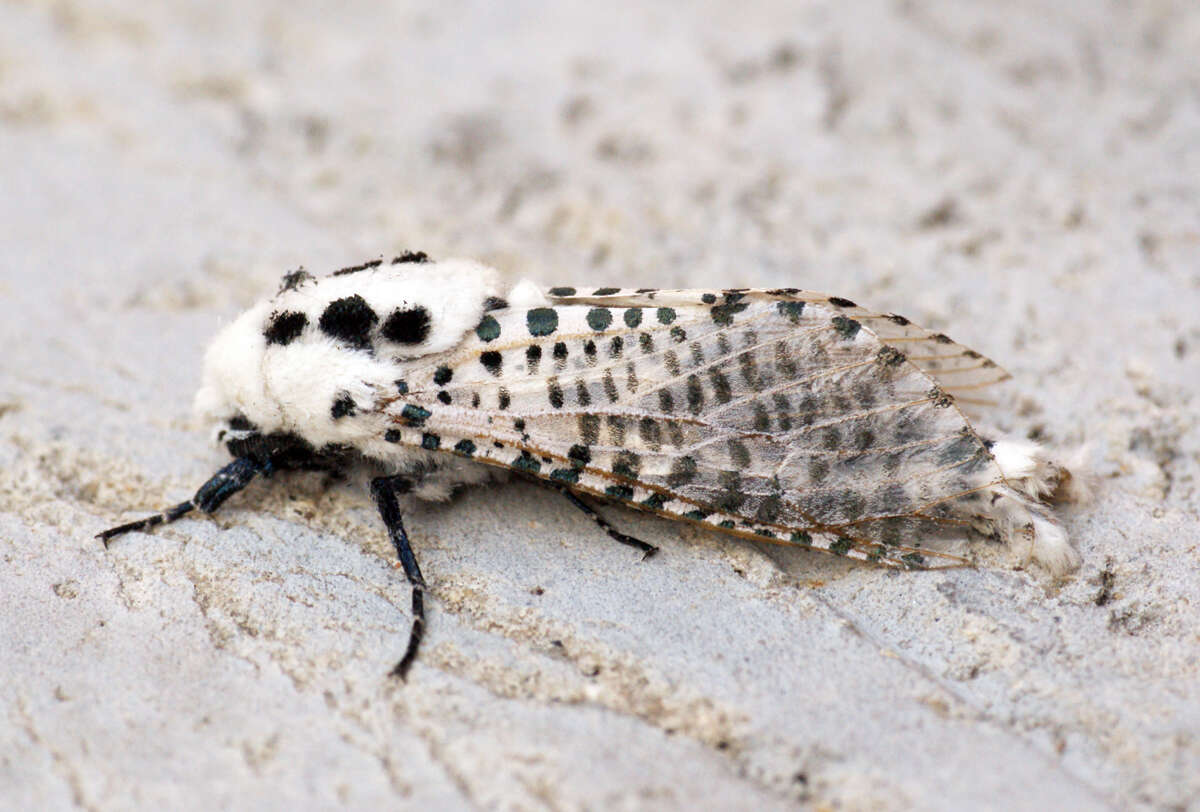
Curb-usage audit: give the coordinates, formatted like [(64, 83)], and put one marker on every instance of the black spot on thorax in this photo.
[(408, 326), (343, 406), (294, 279), (375, 263), (349, 319), (284, 328)]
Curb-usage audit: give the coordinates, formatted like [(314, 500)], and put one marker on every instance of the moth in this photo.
[(779, 415)]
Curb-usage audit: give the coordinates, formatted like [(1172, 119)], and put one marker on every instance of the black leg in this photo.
[(383, 489), (212, 494), (647, 549)]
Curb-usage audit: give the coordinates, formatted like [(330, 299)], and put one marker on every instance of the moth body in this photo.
[(780, 415)]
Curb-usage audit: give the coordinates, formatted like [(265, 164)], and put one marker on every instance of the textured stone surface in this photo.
[(1024, 176)]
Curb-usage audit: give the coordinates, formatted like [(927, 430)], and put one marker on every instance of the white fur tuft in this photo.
[(1052, 548), (526, 294), (1027, 468), (1032, 479)]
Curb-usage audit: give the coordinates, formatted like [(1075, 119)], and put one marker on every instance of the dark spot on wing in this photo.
[(488, 329), (683, 471), (695, 394), (723, 313), (889, 356), (672, 362), (733, 494), (542, 321), (492, 361), (762, 417), (666, 403), (533, 358), (846, 328), (582, 395), (650, 433), (526, 462), (626, 464), (414, 415), (599, 318), (610, 386), (589, 428), (619, 491), (790, 310), (720, 386)]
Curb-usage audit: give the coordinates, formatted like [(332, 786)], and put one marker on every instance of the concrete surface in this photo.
[(1024, 175)]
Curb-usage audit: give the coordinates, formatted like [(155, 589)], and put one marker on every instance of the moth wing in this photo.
[(956, 368), (768, 415)]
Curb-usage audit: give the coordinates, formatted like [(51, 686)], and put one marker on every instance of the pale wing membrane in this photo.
[(769, 415), (956, 368)]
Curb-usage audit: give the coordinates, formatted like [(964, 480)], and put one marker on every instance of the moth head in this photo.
[(315, 360), (279, 451)]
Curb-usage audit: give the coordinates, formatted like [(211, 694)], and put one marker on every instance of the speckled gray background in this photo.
[(1023, 175)]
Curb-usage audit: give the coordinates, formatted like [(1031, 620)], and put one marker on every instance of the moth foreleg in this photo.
[(647, 549), (383, 490), (211, 495)]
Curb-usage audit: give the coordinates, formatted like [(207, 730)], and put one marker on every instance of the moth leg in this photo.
[(383, 490), (211, 495), (647, 549)]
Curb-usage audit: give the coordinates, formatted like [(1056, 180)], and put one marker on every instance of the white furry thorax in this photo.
[(286, 362)]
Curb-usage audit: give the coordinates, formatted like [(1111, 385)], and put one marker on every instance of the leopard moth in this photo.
[(780, 415)]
